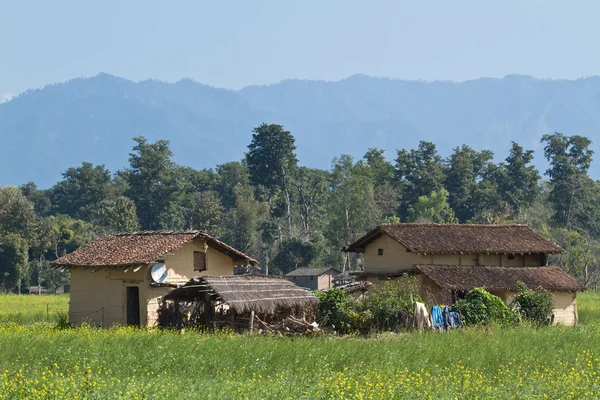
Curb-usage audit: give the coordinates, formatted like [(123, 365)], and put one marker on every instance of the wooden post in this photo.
[(251, 324)]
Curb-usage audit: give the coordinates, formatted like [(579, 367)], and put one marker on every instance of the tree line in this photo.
[(288, 215)]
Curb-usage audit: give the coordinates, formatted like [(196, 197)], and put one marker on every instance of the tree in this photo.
[(14, 261), (434, 208), (580, 256), (294, 254), (310, 194), (381, 169), (153, 185), (207, 213), (570, 158), (418, 173), (118, 215), (245, 219), (272, 162), (81, 191), (16, 212), (229, 176), (39, 198), (465, 170), (518, 183), (68, 235), (352, 209)]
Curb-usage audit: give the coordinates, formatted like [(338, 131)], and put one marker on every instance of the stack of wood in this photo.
[(288, 326)]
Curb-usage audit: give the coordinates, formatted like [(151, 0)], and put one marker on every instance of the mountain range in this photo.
[(45, 131)]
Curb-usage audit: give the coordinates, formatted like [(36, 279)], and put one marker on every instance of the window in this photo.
[(511, 256), (379, 252), (199, 261), (312, 278)]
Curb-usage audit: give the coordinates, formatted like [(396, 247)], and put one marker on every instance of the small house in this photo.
[(313, 278), (121, 279), (451, 259)]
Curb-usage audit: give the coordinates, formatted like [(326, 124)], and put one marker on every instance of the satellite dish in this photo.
[(158, 273)]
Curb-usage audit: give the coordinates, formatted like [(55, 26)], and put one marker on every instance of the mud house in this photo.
[(313, 278), (452, 259), (120, 279)]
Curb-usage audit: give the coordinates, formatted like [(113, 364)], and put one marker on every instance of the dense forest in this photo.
[(287, 215)]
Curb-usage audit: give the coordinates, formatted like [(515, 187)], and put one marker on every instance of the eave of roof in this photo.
[(497, 278)]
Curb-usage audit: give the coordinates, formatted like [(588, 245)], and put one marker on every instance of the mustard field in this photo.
[(39, 361)]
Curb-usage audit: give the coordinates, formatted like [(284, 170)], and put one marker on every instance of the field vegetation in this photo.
[(40, 361)]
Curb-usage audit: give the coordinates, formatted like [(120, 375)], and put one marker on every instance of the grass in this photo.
[(588, 307), (39, 361), (27, 309)]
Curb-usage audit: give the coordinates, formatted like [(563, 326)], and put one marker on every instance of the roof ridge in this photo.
[(454, 225), (160, 232)]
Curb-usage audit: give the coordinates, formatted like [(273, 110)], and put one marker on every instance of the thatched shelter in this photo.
[(225, 300)]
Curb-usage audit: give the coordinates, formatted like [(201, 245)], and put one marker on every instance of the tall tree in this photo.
[(465, 170), (381, 169), (81, 191), (418, 173), (153, 185), (310, 187), (352, 209), (433, 208), (570, 158), (518, 180), (272, 162)]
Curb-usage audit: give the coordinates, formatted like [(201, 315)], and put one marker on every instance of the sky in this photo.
[(233, 43)]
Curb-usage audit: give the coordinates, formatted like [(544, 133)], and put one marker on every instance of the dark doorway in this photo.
[(133, 305)]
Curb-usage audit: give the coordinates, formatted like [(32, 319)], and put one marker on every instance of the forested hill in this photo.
[(44, 132)]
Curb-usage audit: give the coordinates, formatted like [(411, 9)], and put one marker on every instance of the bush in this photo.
[(386, 307), (333, 309), (391, 304), (534, 305), (483, 308), (62, 320)]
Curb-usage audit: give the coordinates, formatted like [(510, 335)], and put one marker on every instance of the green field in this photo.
[(39, 361), (28, 309)]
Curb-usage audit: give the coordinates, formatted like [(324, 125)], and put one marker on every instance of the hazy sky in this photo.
[(236, 43)]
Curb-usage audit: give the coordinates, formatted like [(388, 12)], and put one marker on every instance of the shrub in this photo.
[(391, 304), (482, 307), (385, 307), (333, 309), (534, 305), (62, 320)]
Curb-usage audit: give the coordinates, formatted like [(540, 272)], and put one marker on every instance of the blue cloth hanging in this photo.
[(446, 317), (455, 319), (436, 317)]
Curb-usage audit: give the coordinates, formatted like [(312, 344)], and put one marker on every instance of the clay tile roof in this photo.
[(463, 277), (312, 271), (136, 248), (460, 238)]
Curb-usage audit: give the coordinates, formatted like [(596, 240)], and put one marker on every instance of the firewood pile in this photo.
[(288, 326)]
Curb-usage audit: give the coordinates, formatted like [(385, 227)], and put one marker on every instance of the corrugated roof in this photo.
[(305, 271), (460, 238), (134, 248), (263, 294), (463, 277)]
